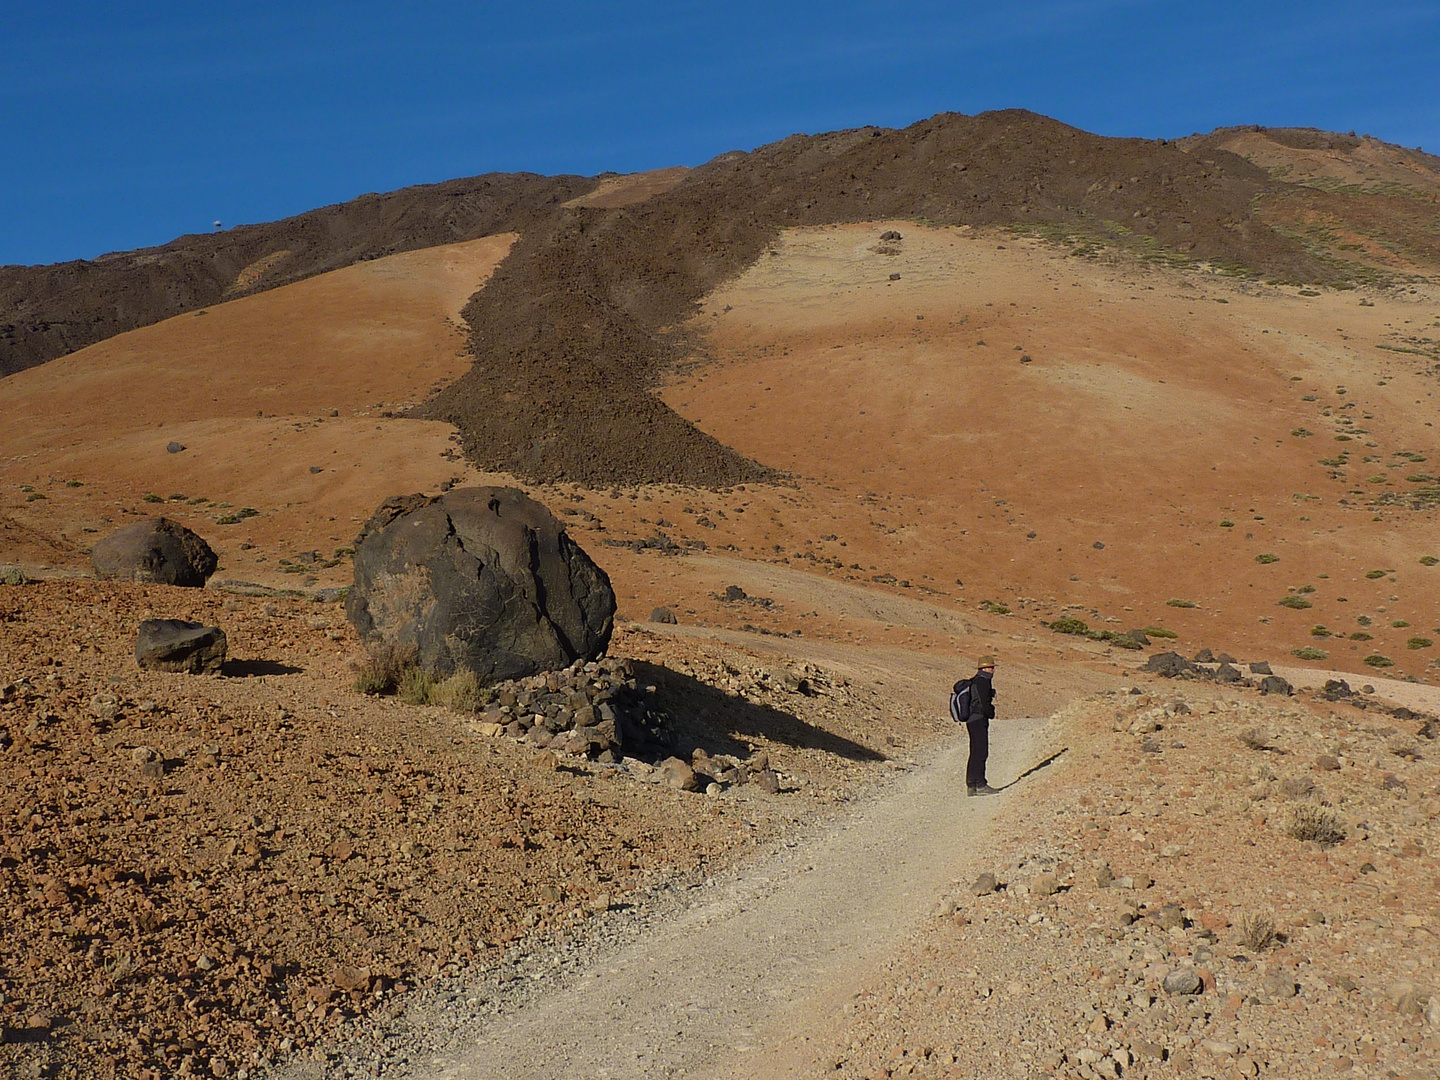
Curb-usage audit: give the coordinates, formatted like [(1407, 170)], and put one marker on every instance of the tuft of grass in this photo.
[(1181, 603), (1068, 625), (994, 608), (383, 667), (1227, 524), (1160, 632), (1255, 738), (1428, 560), (1311, 822), (1400, 624), (416, 687), (1375, 659), (459, 693), (1299, 603), (1376, 575), (1265, 558), (151, 497), (1419, 643), (1309, 652), (1256, 931)]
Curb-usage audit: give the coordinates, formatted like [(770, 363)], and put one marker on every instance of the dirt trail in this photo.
[(764, 948)]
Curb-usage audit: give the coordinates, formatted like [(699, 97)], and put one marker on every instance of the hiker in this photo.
[(980, 712)]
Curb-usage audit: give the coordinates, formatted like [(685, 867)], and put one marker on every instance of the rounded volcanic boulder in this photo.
[(156, 551), (482, 578)]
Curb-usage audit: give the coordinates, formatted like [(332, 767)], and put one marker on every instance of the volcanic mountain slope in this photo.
[(49, 311)]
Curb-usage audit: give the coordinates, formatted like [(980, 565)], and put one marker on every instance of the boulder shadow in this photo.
[(250, 669), (706, 717)]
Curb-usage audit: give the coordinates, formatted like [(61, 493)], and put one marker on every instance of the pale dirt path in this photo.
[(769, 949)]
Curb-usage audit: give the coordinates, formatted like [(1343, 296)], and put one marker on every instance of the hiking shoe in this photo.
[(983, 789)]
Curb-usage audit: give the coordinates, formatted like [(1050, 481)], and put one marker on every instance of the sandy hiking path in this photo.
[(729, 985)]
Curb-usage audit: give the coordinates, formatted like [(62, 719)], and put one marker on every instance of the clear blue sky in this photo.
[(125, 124)]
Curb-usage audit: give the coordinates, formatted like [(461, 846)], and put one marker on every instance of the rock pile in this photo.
[(590, 710), (156, 551), (1172, 665)]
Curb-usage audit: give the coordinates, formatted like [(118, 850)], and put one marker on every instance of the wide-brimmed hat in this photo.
[(986, 661)]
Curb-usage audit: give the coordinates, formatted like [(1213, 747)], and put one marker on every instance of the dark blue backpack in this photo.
[(960, 702)]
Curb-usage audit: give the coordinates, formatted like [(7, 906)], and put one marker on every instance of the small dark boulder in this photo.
[(1226, 658), (1169, 664), (481, 578), (1139, 637), (177, 645), (663, 615), (1260, 667), (1227, 673), (1204, 656), (175, 447), (156, 551), (1274, 684)]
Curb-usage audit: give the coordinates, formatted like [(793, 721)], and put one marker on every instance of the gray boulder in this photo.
[(1226, 673), (1274, 684), (663, 615), (482, 578), (156, 551), (177, 645), (1260, 667)]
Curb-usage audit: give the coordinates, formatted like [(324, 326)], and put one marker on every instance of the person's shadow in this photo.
[(720, 723)]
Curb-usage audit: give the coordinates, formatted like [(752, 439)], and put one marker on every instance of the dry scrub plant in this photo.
[(1257, 931), (1311, 822), (1255, 738), (459, 693), (384, 667)]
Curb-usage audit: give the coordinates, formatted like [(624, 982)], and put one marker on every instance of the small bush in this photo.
[(74, 483), (994, 608), (1181, 603), (416, 687), (383, 667), (1265, 558), (1419, 643), (151, 497), (1400, 624), (1256, 931), (1160, 632), (1301, 433), (1309, 652), (1319, 631), (1299, 603), (1311, 822), (1364, 620), (1068, 625), (1255, 738), (1428, 560), (459, 693), (1361, 635), (1375, 575), (34, 495), (1376, 660), (1305, 590), (1227, 524)]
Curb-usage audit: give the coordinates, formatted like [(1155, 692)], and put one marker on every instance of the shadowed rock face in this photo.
[(156, 551), (481, 578)]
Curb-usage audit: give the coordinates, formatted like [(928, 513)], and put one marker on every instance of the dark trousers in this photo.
[(979, 752)]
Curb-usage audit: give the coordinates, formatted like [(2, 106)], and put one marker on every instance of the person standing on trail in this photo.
[(982, 711)]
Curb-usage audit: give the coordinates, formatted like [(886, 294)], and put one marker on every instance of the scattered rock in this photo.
[(1260, 667), (1046, 884), (767, 781), (663, 615), (1279, 984), (1227, 673), (1204, 656), (482, 578), (676, 774), (177, 645), (156, 551), (985, 884), (734, 593), (1169, 664), (1183, 981), (174, 447), (1274, 684)]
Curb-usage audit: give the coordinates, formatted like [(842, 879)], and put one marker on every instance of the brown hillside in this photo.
[(49, 311)]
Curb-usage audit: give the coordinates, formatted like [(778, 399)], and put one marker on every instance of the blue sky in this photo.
[(125, 124)]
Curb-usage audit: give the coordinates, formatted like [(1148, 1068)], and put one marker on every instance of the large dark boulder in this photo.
[(481, 578), (156, 551)]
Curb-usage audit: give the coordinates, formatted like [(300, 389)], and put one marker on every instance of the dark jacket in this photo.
[(982, 698)]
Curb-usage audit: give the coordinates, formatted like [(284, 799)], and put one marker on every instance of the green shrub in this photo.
[(1319, 631), (1361, 635), (1428, 560), (1375, 575), (1419, 643), (1305, 589), (994, 608), (1301, 433), (1299, 603), (1309, 652), (1160, 632), (1227, 524), (1400, 624), (227, 519), (74, 483), (1068, 625), (1376, 660), (34, 495), (151, 497), (1265, 558), (1181, 603)]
